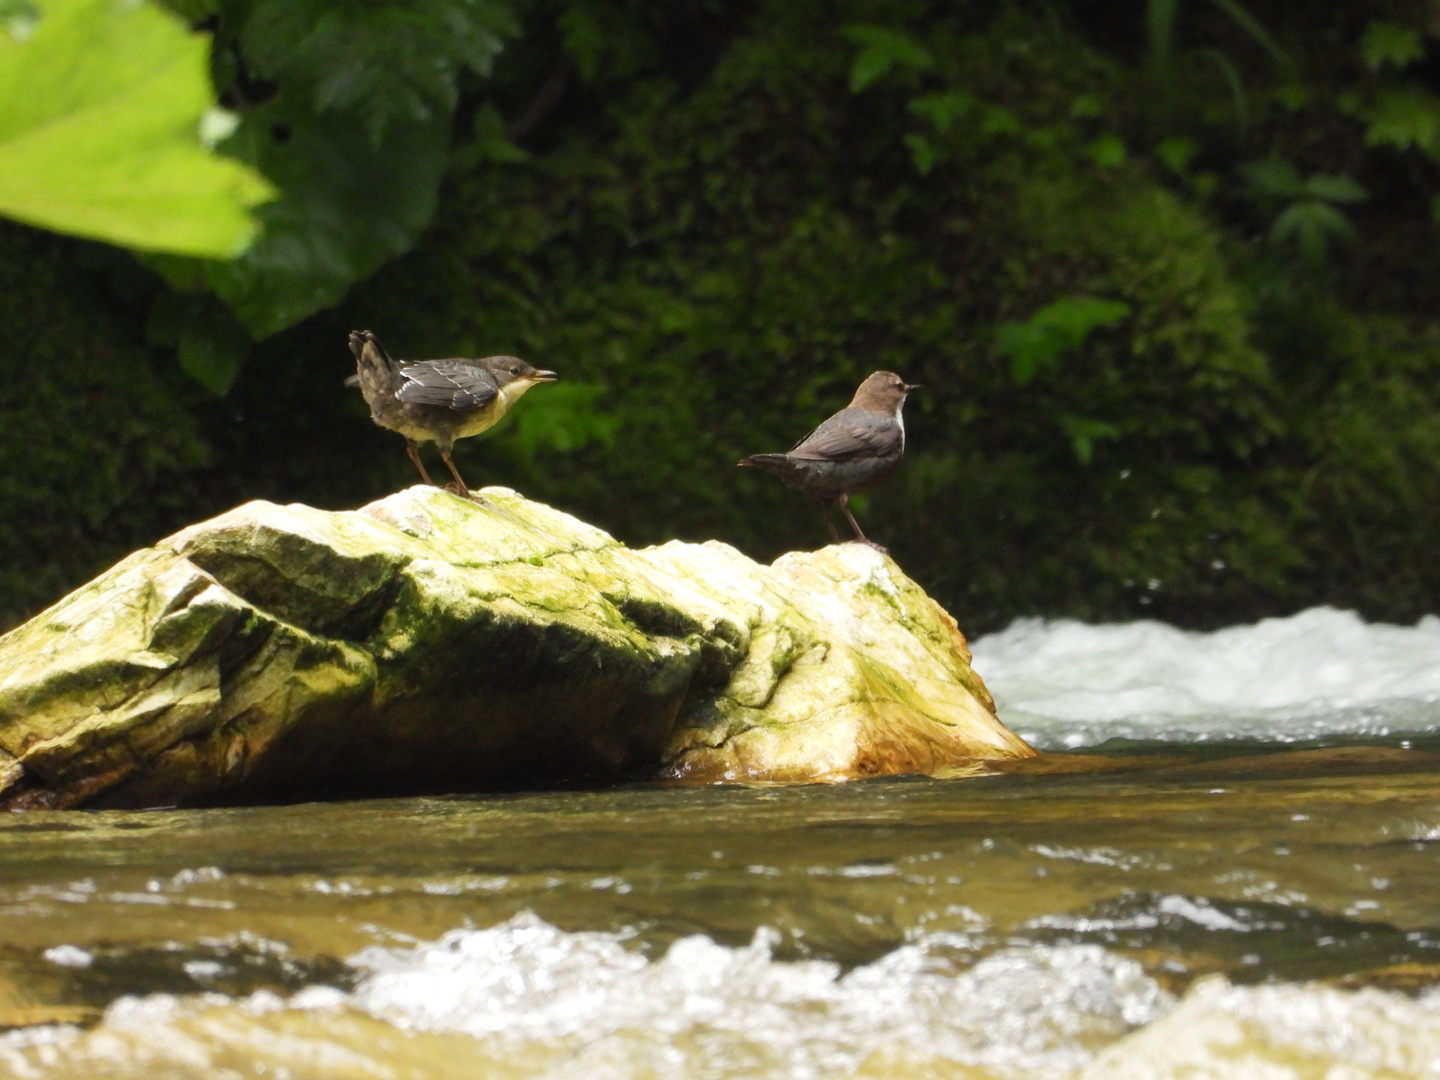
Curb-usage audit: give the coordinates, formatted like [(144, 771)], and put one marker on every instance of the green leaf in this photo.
[(1084, 433), (1176, 153), (1242, 18), (1387, 44), (1293, 95), (882, 50), (212, 348), (209, 341), (1273, 178), (1404, 117), (995, 120), (922, 152), (1038, 343), (100, 115), (1339, 189), (19, 18), (584, 40), (355, 129), (1108, 151), (492, 141), (942, 110), (1311, 224), (350, 206), (1231, 74), (1160, 18)]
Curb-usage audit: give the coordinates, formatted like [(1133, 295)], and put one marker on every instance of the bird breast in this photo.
[(487, 417)]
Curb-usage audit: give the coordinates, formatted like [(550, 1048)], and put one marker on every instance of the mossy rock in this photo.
[(428, 643)]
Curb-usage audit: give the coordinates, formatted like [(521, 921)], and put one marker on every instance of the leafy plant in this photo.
[(102, 110), (881, 50), (1085, 433), (1388, 45), (347, 108), (1309, 218), (1402, 116), (1037, 344), (943, 110)]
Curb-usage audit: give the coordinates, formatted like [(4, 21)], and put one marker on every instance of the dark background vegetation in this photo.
[(715, 218)]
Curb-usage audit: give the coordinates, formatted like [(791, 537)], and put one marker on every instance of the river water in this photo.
[(1230, 871)]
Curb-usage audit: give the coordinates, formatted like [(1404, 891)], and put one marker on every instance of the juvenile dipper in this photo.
[(854, 450), (438, 401)]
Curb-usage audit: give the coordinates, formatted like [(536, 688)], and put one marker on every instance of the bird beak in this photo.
[(544, 376), (913, 386)]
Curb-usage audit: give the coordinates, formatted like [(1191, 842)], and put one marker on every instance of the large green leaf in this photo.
[(347, 106), (101, 106), (350, 206)]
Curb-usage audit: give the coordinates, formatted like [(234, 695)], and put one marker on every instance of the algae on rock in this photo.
[(425, 643)]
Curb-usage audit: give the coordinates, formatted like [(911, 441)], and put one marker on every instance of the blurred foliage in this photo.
[(100, 447), (1308, 216), (347, 107), (103, 107), (1037, 344), (1176, 322)]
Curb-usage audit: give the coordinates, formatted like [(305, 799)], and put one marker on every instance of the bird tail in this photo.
[(769, 462), (375, 371)]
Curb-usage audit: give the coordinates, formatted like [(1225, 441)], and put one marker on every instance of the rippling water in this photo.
[(1267, 909)]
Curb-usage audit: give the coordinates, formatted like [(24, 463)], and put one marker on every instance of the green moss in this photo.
[(95, 437)]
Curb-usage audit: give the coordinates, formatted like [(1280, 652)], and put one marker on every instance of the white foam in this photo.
[(705, 1009), (526, 999), (1321, 673), (1287, 1032)]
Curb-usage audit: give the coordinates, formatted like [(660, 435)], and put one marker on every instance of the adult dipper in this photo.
[(854, 450), (438, 401)]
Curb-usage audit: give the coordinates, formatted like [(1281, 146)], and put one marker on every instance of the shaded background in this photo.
[(713, 219)]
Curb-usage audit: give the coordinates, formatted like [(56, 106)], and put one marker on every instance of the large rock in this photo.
[(425, 643)]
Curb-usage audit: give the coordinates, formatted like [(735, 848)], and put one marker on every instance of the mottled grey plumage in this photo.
[(438, 401), (853, 450)]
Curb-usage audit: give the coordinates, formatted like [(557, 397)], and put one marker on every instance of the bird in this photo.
[(438, 401), (852, 451)]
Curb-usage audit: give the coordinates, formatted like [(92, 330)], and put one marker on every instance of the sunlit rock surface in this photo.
[(424, 643)]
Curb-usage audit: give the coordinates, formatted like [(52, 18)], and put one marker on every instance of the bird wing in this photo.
[(850, 435), (451, 384)]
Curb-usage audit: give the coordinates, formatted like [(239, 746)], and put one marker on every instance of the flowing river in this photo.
[(1231, 870)]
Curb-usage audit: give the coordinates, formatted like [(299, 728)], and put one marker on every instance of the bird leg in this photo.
[(829, 522), (414, 452), (459, 487), (844, 502)]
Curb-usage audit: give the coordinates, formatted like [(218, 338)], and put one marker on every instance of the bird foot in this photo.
[(464, 493)]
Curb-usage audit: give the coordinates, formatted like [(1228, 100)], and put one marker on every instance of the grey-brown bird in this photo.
[(438, 401), (854, 450)]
